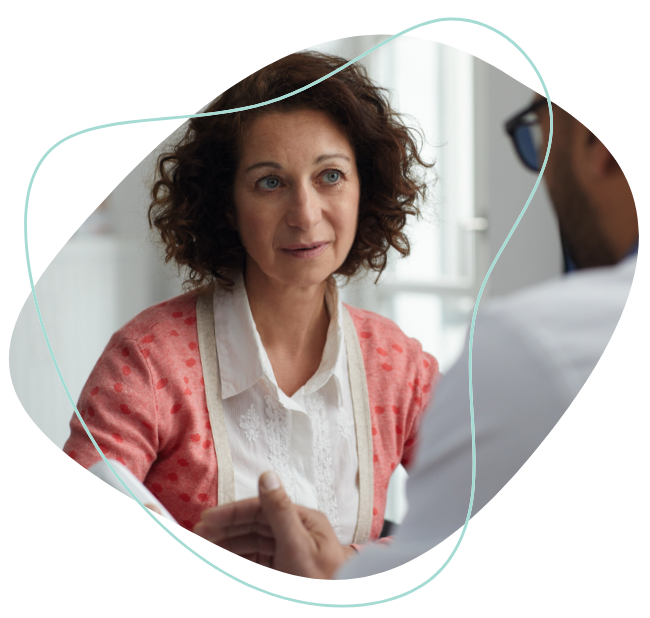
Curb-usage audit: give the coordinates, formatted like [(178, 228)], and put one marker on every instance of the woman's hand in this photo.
[(242, 528)]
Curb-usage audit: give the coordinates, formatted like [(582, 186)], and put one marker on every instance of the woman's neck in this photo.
[(290, 320)]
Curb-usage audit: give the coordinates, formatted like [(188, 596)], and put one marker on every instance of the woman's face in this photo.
[(296, 197)]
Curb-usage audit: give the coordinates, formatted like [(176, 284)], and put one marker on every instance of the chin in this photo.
[(306, 279)]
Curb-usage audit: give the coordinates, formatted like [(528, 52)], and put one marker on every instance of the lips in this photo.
[(302, 246)]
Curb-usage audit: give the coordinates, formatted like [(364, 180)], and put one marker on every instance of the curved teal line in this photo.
[(471, 332)]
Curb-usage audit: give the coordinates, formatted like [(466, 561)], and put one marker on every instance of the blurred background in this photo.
[(112, 268)]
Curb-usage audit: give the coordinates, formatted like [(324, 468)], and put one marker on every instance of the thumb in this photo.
[(280, 512)]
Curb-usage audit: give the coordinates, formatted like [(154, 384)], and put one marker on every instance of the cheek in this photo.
[(255, 227), (348, 223)]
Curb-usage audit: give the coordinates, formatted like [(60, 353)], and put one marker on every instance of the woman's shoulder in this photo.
[(172, 318), (397, 369), (372, 327)]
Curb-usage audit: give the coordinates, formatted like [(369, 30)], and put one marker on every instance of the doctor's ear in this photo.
[(599, 160)]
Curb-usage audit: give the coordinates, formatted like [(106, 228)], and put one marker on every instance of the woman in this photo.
[(260, 366)]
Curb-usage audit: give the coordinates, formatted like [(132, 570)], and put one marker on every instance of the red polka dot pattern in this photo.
[(154, 359)]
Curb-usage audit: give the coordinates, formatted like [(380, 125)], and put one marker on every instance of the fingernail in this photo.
[(269, 481)]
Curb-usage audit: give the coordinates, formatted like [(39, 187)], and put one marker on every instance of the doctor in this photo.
[(532, 353)]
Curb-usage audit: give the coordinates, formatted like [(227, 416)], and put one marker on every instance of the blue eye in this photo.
[(332, 176), (269, 183)]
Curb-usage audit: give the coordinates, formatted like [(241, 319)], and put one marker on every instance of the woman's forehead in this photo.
[(287, 135)]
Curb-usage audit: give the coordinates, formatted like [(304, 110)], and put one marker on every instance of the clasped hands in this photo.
[(274, 532)]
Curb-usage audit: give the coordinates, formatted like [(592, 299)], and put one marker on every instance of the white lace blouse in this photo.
[(308, 439)]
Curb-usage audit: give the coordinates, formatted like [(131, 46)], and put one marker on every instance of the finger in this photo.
[(281, 514), (249, 544), (234, 513), (217, 533), (260, 559)]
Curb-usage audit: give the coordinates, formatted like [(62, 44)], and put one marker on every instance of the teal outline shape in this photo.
[(471, 332)]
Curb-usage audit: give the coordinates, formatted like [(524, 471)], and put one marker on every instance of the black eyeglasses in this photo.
[(526, 135)]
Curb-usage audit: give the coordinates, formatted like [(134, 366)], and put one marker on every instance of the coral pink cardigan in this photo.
[(145, 405)]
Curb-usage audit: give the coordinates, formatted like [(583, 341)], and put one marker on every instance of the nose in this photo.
[(305, 209)]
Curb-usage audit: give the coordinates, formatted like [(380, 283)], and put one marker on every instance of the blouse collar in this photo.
[(243, 361)]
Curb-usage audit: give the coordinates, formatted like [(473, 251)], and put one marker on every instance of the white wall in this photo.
[(503, 185)]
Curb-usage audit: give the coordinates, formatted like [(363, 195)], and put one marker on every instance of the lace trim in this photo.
[(250, 423), (325, 495), (345, 423), (277, 429)]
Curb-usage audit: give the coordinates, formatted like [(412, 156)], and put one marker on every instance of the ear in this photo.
[(231, 217), (598, 160)]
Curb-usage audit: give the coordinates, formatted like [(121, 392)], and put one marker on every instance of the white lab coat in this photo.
[(532, 353)]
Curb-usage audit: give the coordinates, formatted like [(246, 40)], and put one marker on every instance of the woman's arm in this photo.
[(118, 406)]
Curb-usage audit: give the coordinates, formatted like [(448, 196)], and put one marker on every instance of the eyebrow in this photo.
[(275, 165)]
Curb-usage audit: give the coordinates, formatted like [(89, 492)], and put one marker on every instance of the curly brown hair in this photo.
[(192, 198)]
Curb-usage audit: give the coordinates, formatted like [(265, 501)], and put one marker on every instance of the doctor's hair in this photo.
[(192, 204)]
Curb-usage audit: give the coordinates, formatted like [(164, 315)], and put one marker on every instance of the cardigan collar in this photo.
[(243, 361)]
